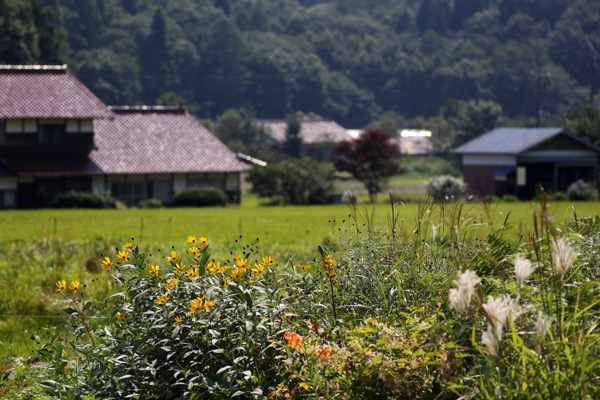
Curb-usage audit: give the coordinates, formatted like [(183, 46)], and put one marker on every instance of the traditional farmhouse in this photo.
[(318, 136), (56, 136), (520, 161)]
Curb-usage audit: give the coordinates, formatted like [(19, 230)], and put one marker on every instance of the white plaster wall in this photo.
[(232, 181), (98, 184), (179, 183), (8, 183), (495, 159)]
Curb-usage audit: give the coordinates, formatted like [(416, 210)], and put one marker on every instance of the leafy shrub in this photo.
[(175, 331), (200, 196), (510, 198), (558, 196), (445, 188), (582, 190), (490, 198), (75, 199), (150, 203), (294, 182)]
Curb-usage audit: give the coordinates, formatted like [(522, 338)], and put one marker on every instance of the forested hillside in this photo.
[(349, 60)]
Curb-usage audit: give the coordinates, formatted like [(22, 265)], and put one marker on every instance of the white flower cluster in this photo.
[(461, 296)]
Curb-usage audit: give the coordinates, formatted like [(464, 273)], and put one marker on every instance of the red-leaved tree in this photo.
[(371, 158)]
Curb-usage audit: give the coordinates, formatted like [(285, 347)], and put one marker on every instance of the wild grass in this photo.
[(430, 242)]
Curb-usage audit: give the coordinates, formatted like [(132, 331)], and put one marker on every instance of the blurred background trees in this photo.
[(350, 61)]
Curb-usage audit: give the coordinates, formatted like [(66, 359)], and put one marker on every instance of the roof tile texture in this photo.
[(159, 142), (311, 131), (46, 93)]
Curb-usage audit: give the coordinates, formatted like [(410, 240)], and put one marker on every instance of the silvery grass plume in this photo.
[(499, 312), (490, 341), (461, 296), (543, 324), (523, 269), (563, 255)]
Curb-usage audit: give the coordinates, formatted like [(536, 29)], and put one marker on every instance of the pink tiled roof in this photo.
[(311, 131), (159, 140), (49, 91)]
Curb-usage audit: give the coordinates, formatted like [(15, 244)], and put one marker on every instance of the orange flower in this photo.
[(294, 339), (313, 325), (324, 352)]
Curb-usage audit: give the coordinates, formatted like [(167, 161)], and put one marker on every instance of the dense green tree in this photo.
[(475, 118), (294, 181), (29, 34), (585, 124), (345, 60), (371, 159), (293, 141), (240, 126), (155, 60)]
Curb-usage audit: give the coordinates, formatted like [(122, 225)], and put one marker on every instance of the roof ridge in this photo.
[(147, 109), (33, 68)]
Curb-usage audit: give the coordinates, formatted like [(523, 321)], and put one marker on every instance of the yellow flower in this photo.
[(202, 241), (61, 285), (194, 272), (74, 286), (174, 256), (237, 255), (304, 267), (161, 299), (209, 305), (178, 269), (328, 263), (122, 256), (213, 267), (155, 269), (107, 263), (237, 273), (268, 260), (197, 304), (243, 263), (172, 283), (194, 251), (129, 246), (226, 282), (259, 269), (120, 316), (191, 239), (178, 320)]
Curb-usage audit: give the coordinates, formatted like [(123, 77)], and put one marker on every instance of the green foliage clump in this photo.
[(74, 199), (150, 203), (445, 188), (294, 181), (174, 331), (510, 198), (199, 196), (582, 190)]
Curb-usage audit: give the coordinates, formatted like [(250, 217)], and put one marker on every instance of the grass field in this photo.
[(298, 228), (38, 247)]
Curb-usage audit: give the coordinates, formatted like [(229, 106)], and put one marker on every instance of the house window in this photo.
[(52, 133), (130, 193), (21, 126)]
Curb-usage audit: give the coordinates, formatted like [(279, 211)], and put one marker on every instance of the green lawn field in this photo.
[(287, 226), (39, 247)]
